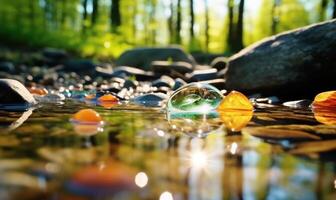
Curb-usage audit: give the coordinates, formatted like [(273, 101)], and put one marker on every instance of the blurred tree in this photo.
[(85, 13), (322, 12), (240, 24), (192, 19), (115, 15), (207, 35), (171, 24), (178, 39), (334, 10), (230, 38), (275, 16), (94, 16)]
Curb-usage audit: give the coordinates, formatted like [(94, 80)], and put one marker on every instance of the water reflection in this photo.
[(195, 125), (141, 179), (87, 130), (25, 115), (166, 196), (236, 120), (327, 117)]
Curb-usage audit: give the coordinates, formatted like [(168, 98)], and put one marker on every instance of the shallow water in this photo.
[(281, 154)]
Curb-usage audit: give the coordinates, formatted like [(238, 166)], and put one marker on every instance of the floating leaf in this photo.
[(235, 101), (236, 120)]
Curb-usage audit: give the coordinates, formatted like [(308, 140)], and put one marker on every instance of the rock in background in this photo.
[(299, 62)]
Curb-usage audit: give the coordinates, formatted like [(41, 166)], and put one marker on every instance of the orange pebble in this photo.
[(87, 116), (38, 91), (108, 97), (235, 101)]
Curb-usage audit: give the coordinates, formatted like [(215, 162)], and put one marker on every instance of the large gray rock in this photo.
[(14, 95), (299, 61), (143, 57)]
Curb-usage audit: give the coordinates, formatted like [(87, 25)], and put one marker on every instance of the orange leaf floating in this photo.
[(236, 120), (38, 91), (325, 100), (235, 101), (87, 116)]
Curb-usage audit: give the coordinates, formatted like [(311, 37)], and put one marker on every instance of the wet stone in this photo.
[(219, 63), (7, 67), (195, 98), (150, 100), (218, 83), (178, 83), (165, 67), (304, 103), (14, 96), (203, 75), (164, 81), (125, 71), (130, 84)]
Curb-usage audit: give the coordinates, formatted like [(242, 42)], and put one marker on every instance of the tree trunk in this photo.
[(240, 27), (192, 19), (152, 14), (32, 14), (85, 14), (207, 36), (63, 13), (334, 10), (178, 22), (323, 8), (94, 16), (275, 17), (171, 23), (115, 15), (230, 38), (134, 25)]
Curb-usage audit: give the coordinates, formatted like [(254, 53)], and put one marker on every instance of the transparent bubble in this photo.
[(194, 98)]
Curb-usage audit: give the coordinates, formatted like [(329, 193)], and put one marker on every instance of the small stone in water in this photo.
[(195, 98), (108, 98), (235, 101), (38, 91), (325, 100), (87, 116)]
